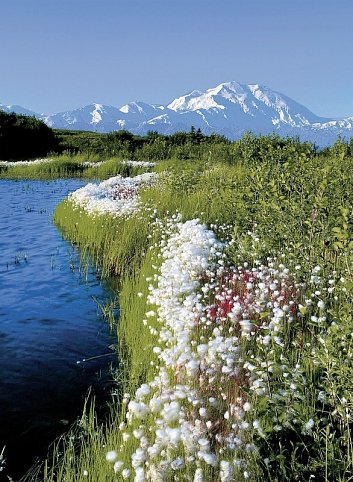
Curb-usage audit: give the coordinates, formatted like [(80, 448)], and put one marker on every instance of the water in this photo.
[(48, 322)]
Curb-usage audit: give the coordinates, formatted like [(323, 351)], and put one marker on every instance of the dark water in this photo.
[(48, 321)]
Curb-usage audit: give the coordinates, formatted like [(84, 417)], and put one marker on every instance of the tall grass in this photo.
[(69, 166)]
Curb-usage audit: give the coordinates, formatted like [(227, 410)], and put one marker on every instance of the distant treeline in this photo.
[(192, 145), (23, 137), (179, 146), (123, 143)]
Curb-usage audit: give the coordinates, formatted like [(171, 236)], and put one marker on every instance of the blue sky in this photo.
[(61, 54)]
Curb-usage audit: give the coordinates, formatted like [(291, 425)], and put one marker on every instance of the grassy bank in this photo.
[(285, 217), (69, 166)]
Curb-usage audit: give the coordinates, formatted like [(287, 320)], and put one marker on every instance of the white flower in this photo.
[(177, 464), (246, 326), (200, 349), (226, 472), (111, 456), (203, 412), (118, 466), (155, 405), (204, 442), (139, 475), (139, 409), (139, 163), (138, 457), (171, 411), (308, 426), (173, 435), (198, 477), (208, 457), (138, 433), (116, 196), (143, 391), (256, 424)]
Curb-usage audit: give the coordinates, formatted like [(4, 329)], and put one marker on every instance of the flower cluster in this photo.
[(117, 196), (91, 164), (25, 163), (220, 344), (139, 163)]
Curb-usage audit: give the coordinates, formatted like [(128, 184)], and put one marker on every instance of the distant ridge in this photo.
[(229, 108), (18, 110)]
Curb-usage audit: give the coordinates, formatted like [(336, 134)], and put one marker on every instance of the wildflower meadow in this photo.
[(235, 331)]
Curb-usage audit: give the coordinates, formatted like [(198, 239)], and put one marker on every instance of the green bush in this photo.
[(23, 137)]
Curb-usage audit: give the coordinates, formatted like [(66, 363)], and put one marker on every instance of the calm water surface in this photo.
[(48, 321)]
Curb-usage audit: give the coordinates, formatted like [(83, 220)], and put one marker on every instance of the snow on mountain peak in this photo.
[(132, 107), (268, 96), (185, 101), (212, 98), (197, 100), (243, 107), (125, 109), (242, 95), (140, 108), (97, 113), (226, 88), (229, 109), (17, 109)]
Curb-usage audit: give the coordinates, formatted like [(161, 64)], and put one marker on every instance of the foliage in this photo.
[(73, 142), (24, 137), (268, 198)]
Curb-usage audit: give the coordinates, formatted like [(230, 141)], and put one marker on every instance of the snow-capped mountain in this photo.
[(17, 109), (92, 117), (229, 108)]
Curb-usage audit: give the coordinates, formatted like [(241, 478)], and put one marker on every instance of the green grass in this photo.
[(299, 207), (69, 166), (81, 451)]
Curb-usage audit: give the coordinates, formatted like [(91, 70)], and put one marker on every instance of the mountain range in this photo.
[(229, 109)]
